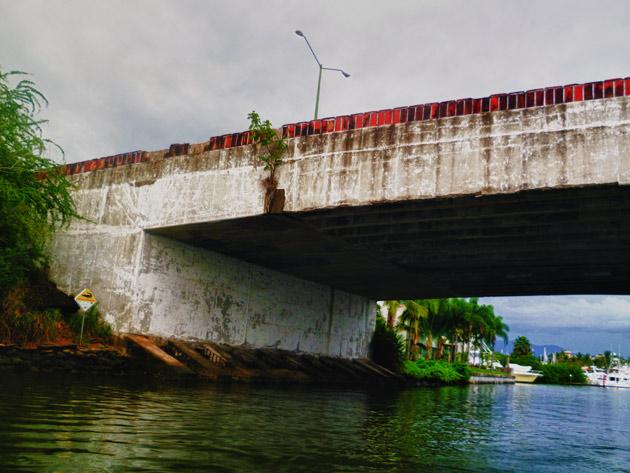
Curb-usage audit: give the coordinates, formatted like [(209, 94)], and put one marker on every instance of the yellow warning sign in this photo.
[(86, 295)]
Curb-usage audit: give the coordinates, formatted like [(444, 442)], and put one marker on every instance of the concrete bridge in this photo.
[(512, 194)]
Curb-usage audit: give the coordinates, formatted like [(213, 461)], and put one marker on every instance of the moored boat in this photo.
[(615, 377), (524, 374)]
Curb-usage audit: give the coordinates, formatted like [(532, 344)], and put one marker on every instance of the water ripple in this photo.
[(70, 425)]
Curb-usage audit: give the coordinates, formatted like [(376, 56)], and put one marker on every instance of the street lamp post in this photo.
[(321, 68)]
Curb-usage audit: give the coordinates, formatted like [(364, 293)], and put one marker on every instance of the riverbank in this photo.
[(137, 355), (66, 358), (152, 357)]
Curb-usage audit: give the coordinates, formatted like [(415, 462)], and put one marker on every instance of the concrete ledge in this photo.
[(490, 380)]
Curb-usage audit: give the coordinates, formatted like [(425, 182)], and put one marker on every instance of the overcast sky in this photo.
[(128, 75)]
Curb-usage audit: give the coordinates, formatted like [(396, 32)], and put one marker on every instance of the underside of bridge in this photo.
[(561, 241)]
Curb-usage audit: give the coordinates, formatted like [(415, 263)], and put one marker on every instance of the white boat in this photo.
[(615, 377), (524, 374)]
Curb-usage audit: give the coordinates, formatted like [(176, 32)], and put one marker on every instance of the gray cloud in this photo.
[(140, 75), (575, 312), (583, 323)]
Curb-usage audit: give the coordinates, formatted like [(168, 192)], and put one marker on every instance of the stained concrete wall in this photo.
[(576, 144), (157, 286), (154, 285)]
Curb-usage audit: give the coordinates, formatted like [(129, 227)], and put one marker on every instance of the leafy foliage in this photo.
[(488, 372), (527, 360), (387, 347), (271, 145), (522, 347), (435, 370), (450, 323), (604, 361), (22, 326), (34, 192), (392, 310), (94, 326), (410, 319), (562, 373), (270, 148), (31, 327)]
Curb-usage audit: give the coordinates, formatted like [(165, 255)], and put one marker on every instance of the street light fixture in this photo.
[(321, 68)]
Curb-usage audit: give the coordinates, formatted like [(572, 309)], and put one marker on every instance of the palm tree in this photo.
[(410, 320), (499, 329), (392, 310), (433, 323)]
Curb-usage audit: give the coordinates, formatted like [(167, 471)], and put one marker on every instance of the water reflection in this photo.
[(68, 425)]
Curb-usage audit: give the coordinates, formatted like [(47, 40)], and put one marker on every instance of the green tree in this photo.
[(410, 321), (392, 310), (562, 373), (432, 324), (522, 347), (34, 192), (386, 348)]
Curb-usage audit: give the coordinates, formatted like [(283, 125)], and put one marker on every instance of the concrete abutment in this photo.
[(154, 285)]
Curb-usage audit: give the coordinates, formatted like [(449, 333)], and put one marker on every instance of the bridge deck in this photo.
[(559, 241)]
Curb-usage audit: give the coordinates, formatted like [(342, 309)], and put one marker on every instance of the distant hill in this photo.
[(538, 349)]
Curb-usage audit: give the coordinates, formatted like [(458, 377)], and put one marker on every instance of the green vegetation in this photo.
[(270, 149), (449, 324), (410, 320), (529, 360), (603, 361), (94, 327), (34, 192), (439, 336), (522, 347), (392, 310), (387, 347), (35, 201), (437, 371), (475, 371), (31, 327), (562, 373), (22, 326)]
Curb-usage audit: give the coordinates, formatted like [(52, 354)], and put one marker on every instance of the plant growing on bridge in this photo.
[(34, 192), (270, 149)]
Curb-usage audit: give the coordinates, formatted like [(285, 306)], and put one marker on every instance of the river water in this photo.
[(52, 424)]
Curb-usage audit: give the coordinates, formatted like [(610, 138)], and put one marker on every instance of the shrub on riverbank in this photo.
[(437, 371), (26, 321), (387, 347), (562, 373), (35, 195), (94, 327)]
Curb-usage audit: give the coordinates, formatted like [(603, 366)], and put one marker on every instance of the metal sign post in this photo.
[(85, 300)]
